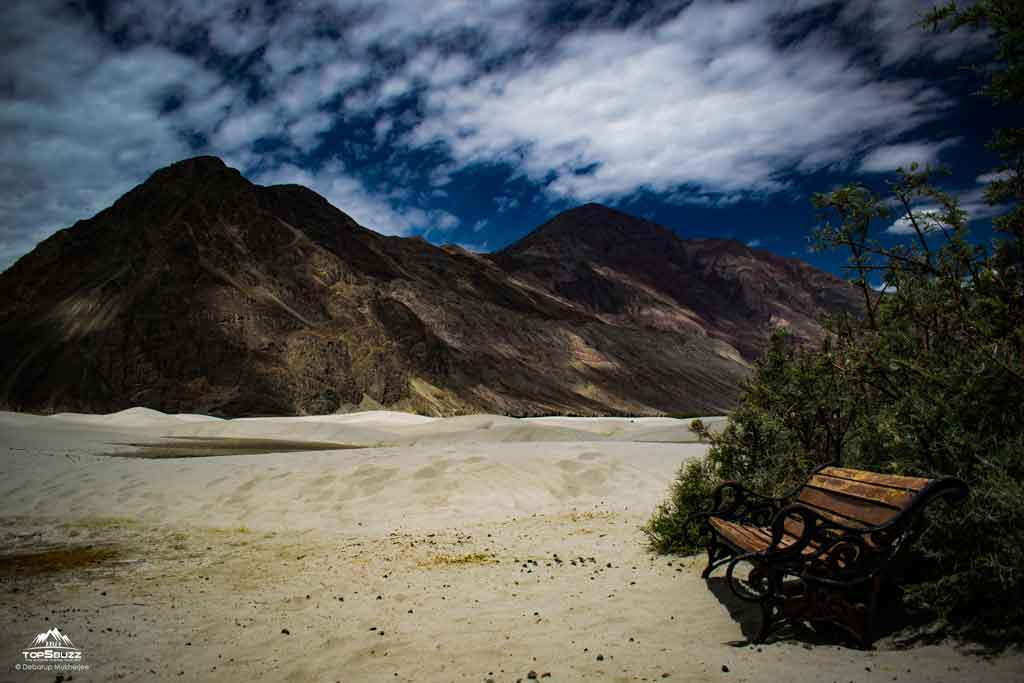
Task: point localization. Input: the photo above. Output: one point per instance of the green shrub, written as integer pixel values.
(928, 381)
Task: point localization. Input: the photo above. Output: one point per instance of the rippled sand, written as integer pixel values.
(468, 548)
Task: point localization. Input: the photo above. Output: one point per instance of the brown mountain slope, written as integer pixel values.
(200, 292)
(629, 271)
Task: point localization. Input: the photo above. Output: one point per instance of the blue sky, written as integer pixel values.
(473, 121)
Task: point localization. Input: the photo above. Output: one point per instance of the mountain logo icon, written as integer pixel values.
(52, 639)
(52, 649)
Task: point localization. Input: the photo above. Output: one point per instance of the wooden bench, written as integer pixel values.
(823, 553)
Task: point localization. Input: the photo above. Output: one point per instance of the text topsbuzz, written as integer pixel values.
(52, 651)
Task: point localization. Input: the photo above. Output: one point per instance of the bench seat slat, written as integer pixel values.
(891, 480)
(883, 495)
(752, 538)
(832, 516)
(849, 507)
(793, 526)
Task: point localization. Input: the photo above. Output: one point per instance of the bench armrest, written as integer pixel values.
(829, 552)
(812, 525)
(747, 503)
(744, 502)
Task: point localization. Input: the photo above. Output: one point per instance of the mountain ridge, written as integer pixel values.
(199, 291)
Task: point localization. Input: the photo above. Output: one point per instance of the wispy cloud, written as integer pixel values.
(898, 35)
(505, 203)
(987, 178)
(349, 194)
(928, 215)
(891, 157)
(706, 100)
(79, 123)
(699, 101)
(475, 247)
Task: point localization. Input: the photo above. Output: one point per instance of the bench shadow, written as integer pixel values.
(891, 628)
(746, 614)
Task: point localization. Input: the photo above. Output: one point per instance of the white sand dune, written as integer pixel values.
(454, 523)
(133, 417)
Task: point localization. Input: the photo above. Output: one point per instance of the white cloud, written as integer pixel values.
(393, 23)
(974, 204)
(926, 217)
(80, 124)
(706, 100)
(245, 127)
(382, 127)
(305, 132)
(891, 157)
(971, 201)
(445, 221)
(83, 120)
(474, 247)
(703, 105)
(349, 194)
(898, 36)
(505, 203)
(754, 243)
(988, 178)
(392, 88)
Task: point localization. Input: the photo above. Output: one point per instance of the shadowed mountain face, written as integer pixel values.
(627, 270)
(200, 292)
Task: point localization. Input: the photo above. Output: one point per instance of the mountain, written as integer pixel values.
(52, 638)
(630, 271)
(199, 291)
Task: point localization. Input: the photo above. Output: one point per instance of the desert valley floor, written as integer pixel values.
(474, 548)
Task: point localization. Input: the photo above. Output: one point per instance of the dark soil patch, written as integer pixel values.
(54, 560)
(207, 447)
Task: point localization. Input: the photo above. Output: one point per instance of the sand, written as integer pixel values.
(468, 548)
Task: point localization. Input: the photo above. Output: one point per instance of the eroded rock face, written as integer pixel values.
(200, 292)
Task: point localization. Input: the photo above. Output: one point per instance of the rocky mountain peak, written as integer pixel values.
(592, 230)
(196, 169)
(199, 291)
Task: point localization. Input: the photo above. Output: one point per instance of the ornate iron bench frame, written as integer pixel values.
(824, 552)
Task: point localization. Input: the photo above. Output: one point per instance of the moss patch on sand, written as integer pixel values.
(457, 560)
(100, 523)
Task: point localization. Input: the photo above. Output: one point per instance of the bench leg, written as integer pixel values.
(767, 620)
(718, 554)
(712, 549)
(867, 637)
(769, 605)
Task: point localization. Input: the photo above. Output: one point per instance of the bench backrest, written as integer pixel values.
(858, 498)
